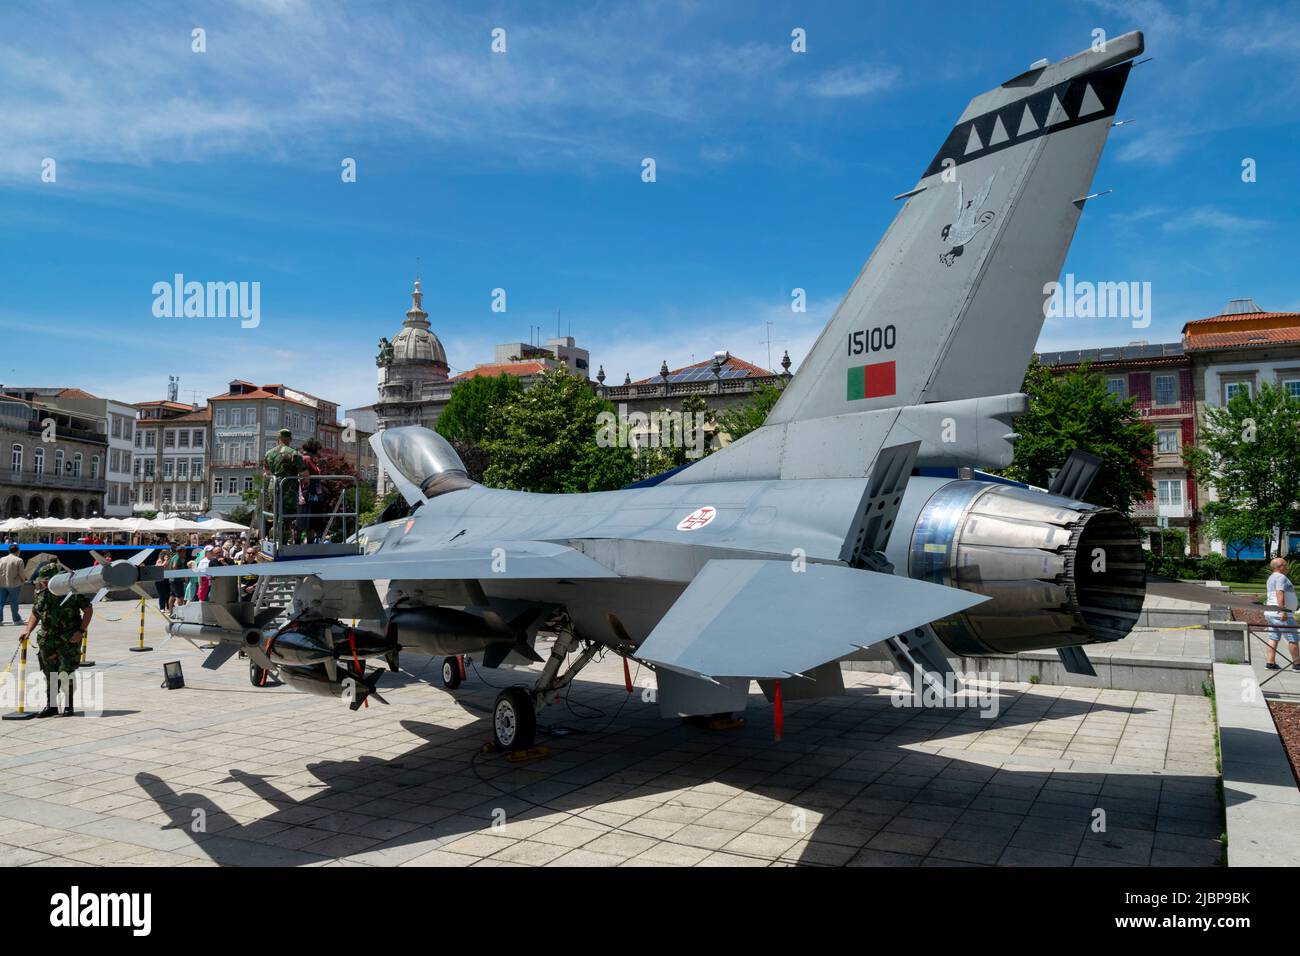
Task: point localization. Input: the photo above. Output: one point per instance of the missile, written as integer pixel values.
(315, 680)
(304, 647)
(117, 576)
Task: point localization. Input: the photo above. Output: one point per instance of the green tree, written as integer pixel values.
(740, 421)
(677, 444)
(544, 440)
(465, 419)
(1076, 411)
(1249, 450)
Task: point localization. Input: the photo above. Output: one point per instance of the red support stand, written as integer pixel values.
(778, 713)
(627, 676)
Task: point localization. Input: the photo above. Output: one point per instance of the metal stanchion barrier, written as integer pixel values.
(22, 713)
(137, 650)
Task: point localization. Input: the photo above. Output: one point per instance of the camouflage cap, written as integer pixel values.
(47, 571)
(285, 433)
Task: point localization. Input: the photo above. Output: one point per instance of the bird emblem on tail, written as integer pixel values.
(968, 221)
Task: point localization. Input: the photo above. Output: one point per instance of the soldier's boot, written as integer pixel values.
(67, 701)
(51, 698)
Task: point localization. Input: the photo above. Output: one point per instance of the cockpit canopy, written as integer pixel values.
(425, 459)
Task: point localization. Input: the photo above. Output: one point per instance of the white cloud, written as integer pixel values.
(851, 81)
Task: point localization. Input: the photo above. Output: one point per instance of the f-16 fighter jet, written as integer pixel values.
(850, 524)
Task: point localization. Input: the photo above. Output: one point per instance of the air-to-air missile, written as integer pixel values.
(105, 577)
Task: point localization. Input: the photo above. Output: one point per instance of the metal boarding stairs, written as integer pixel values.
(282, 542)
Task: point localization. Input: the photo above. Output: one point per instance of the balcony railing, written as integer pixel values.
(30, 479)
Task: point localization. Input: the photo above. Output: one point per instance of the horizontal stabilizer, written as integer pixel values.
(764, 619)
(500, 560)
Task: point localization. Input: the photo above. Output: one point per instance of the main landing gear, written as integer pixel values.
(514, 716)
(453, 672)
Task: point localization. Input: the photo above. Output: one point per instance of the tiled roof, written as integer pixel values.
(738, 367)
(1243, 317)
(179, 405)
(201, 415)
(1247, 338)
(75, 393)
(518, 369)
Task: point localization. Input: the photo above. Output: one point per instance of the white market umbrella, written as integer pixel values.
(221, 524)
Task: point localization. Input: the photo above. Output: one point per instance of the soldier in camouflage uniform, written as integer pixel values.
(63, 627)
(285, 462)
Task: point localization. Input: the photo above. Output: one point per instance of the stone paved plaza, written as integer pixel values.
(281, 778)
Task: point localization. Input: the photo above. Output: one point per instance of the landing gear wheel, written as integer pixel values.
(257, 675)
(450, 673)
(514, 720)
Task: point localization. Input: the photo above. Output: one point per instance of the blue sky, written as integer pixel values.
(522, 171)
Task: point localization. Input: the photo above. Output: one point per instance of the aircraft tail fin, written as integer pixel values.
(950, 304)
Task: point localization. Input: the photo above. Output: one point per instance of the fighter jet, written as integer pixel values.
(854, 523)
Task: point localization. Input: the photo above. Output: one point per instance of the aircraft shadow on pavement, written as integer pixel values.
(843, 775)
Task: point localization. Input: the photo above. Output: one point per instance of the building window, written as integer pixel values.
(248, 482)
(169, 468)
(1232, 388)
(169, 438)
(147, 494)
(16, 459)
(198, 438)
(1167, 442)
(183, 469)
(1166, 389)
(58, 463)
(117, 430)
(196, 468)
(220, 417)
(272, 416)
(1115, 386)
(248, 451)
(183, 439)
(1169, 492)
(94, 468)
(137, 439)
(38, 461)
(126, 432)
(218, 485)
(250, 416)
(167, 494)
(135, 468)
(151, 439)
(194, 494)
(1292, 387)
(148, 469)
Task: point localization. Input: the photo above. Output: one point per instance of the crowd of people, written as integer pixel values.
(220, 553)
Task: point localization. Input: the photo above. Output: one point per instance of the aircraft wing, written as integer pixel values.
(519, 560)
(764, 620)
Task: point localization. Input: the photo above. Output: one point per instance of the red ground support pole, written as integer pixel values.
(627, 676)
(778, 713)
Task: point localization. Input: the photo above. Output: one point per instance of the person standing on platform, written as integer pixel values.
(284, 462)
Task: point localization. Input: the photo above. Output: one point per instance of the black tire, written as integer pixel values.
(514, 721)
(257, 675)
(450, 672)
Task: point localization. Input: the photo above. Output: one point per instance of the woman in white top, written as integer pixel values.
(1281, 615)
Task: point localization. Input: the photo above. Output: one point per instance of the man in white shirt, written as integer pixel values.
(1281, 602)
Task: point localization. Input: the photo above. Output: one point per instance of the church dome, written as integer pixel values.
(415, 344)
